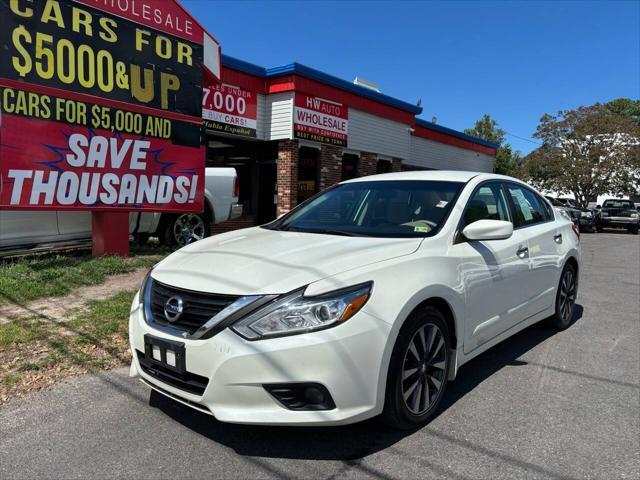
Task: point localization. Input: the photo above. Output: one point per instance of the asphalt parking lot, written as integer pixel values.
(541, 405)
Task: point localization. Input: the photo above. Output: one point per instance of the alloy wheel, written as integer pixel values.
(423, 369)
(567, 295)
(188, 228)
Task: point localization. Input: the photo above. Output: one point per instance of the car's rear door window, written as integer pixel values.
(528, 207)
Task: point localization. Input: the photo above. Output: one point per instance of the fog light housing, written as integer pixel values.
(301, 396)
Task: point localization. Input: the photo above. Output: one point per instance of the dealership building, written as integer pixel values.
(291, 131)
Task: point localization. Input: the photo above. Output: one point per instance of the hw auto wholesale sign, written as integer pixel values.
(100, 105)
(230, 109)
(320, 120)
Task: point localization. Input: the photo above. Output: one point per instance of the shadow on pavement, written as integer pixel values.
(351, 442)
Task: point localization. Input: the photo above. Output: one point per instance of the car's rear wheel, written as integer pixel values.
(183, 229)
(418, 370)
(565, 298)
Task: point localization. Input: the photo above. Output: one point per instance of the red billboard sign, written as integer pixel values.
(230, 109)
(121, 159)
(320, 120)
(100, 105)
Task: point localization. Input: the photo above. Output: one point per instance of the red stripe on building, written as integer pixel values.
(440, 137)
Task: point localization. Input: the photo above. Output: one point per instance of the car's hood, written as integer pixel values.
(262, 261)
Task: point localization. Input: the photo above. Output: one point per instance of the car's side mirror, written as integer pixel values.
(488, 230)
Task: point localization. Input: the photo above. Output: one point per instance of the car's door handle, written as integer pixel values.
(558, 238)
(523, 252)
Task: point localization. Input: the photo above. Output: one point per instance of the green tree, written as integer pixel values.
(588, 152)
(626, 107)
(507, 160)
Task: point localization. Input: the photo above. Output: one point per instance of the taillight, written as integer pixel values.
(576, 230)
(236, 187)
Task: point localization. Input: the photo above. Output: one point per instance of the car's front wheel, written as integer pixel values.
(634, 230)
(418, 370)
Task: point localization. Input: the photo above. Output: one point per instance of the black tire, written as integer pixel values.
(634, 230)
(141, 239)
(182, 229)
(415, 411)
(599, 229)
(565, 298)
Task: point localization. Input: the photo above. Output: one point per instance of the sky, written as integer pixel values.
(513, 60)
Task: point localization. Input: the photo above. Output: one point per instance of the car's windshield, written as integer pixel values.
(399, 208)
(618, 204)
(555, 202)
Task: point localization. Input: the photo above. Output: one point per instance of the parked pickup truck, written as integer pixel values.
(42, 230)
(617, 213)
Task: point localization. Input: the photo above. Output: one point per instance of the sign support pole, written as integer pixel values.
(110, 233)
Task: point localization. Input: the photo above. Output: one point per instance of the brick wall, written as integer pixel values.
(330, 166)
(410, 168)
(244, 221)
(396, 165)
(368, 164)
(287, 175)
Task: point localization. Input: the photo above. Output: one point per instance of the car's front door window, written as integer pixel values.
(487, 203)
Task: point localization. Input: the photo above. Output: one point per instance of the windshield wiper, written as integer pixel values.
(326, 231)
(344, 233)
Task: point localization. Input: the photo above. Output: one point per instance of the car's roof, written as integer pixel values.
(436, 175)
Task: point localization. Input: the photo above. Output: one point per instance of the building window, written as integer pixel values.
(308, 161)
(349, 166)
(384, 166)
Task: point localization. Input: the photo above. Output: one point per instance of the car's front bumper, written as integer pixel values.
(347, 360)
(235, 211)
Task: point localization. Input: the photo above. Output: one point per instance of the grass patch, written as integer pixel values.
(21, 331)
(93, 338)
(10, 380)
(104, 320)
(52, 275)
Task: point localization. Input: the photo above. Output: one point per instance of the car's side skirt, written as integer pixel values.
(459, 358)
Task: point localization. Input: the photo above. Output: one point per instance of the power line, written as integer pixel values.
(523, 138)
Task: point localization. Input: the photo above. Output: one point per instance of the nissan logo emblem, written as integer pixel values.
(173, 308)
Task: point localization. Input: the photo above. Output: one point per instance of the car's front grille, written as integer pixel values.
(189, 382)
(198, 307)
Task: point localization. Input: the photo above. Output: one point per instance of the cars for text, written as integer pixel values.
(364, 300)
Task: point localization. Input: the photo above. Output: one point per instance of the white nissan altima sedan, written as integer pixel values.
(364, 300)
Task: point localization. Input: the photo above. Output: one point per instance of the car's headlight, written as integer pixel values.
(604, 214)
(586, 214)
(296, 313)
(144, 287)
(634, 215)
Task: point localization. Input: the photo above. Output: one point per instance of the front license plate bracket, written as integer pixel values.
(163, 352)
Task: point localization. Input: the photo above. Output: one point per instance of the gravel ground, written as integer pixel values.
(540, 405)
